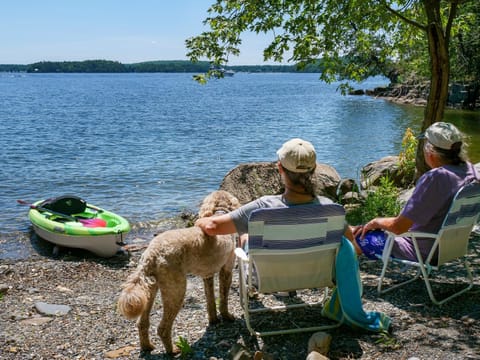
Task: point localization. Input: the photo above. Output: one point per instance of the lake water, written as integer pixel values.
(149, 146)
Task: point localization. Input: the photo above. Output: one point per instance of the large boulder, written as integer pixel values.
(252, 180)
(374, 171)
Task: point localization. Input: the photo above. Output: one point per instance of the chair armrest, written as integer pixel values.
(240, 253)
(414, 234)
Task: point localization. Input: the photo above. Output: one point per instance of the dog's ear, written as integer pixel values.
(234, 203)
(207, 207)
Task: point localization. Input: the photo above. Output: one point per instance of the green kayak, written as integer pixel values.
(94, 229)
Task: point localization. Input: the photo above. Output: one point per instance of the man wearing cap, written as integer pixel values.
(297, 161)
(445, 154)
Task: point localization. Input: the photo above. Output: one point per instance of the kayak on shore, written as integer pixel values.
(69, 221)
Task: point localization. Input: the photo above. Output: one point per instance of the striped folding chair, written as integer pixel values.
(451, 242)
(289, 249)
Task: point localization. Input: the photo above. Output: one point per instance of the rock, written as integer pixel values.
(64, 289)
(36, 321)
(351, 198)
(4, 288)
(52, 309)
(239, 352)
(348, 192)
(252, 180)
(463, 96)
(314, 355)
(319, 345)
(327, 180)
(124, 351)
(405, 195)
(346, 186)
(374, 171)
(357, 92)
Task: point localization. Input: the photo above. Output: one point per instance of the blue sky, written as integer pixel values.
(119, 30)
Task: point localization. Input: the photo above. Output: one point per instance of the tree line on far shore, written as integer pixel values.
(168, 66)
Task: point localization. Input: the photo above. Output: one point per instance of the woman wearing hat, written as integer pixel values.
(445, 154)
(297, 161)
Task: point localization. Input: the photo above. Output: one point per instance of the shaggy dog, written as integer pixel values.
(165, 264)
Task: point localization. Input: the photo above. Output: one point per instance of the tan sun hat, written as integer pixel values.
(443, 135)
(298, 156)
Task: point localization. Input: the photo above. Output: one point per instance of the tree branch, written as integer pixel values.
(451, 17)
(407, 20)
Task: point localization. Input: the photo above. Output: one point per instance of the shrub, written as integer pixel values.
(407, 157)
(381, 202)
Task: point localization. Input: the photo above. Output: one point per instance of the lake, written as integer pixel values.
(149, 146)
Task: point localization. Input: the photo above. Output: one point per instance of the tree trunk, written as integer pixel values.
(440, 72)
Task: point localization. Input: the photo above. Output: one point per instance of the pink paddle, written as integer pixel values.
(86, 222)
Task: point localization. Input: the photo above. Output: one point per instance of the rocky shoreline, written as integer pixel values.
(87, 326)
(65, 307)
(461, 96)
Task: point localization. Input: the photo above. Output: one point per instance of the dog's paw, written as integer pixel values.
(228, 317)
(174, 350)
(147, 347)
(213, 320)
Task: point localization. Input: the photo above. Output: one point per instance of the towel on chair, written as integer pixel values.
(345, 304)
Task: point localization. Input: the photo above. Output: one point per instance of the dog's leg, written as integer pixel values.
(143, 323)
(225, 280)
(208, 286)
(173, 291)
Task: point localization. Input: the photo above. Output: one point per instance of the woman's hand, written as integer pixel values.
(357, 230)
(361, 230)
(216, 225)
(207, 225)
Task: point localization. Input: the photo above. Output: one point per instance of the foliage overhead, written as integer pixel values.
(465, 49)
(354, 38)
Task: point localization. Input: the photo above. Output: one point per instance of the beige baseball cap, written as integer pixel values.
(442, 135)
(298, 156)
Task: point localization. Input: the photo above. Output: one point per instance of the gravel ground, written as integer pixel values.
(92, 329)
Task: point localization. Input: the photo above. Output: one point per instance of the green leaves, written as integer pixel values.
(346, 34)
(380, 202)
(184, 347)
(407, 157)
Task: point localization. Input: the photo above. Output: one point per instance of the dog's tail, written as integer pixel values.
(134, 296)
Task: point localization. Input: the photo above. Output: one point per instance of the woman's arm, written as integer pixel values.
(396, 225)
(217, 225)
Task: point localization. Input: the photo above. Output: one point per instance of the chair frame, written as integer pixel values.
(451, 241)
(247, 264)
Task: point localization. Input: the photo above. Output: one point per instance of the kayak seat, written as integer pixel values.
(65, 204)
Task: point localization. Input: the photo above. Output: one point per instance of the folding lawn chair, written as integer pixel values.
(451, 242)
(290, 249)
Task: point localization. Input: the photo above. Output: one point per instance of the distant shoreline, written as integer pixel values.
(164, 66)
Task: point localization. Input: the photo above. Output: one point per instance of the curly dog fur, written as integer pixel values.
(165, 264)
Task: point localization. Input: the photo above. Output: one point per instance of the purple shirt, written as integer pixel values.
(429, 204)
